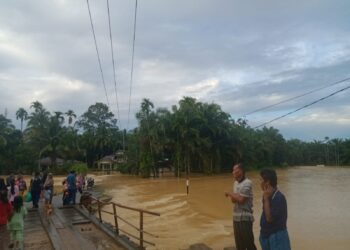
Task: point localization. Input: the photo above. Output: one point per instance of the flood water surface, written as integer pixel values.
(318, 207)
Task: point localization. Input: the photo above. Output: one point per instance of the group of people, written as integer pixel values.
(14, 191)
(13, 186)
(12, 211)
(273, 221)
(71, 185)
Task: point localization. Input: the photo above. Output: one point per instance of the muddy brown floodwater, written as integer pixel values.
(318, 207)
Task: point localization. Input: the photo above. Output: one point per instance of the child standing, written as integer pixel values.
(16, 223)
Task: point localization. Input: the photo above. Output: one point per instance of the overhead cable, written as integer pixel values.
(113, 62)
(296, 97)
(132, 63)
(97, 52)
(303, 107)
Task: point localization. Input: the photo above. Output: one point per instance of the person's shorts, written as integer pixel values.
(276, 241)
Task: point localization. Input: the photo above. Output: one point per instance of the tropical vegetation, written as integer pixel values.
(192, 136)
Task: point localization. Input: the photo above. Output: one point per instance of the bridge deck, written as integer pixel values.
(35, 236)
(65, 228)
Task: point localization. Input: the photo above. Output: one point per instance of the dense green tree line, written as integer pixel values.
(191, 137)
(57, 135)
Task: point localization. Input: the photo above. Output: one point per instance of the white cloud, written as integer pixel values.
(310, 54)
(199, 89)
(331, 118)
(229, 53)
(46, 89)
(17, 47)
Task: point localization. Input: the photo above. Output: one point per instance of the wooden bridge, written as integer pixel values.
(76, 227)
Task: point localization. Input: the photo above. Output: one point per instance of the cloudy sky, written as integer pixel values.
(243, 55)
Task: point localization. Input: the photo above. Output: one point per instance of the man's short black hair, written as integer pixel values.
(270, 176)
(240, 166)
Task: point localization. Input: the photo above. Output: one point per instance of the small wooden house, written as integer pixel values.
(47, 162)
(107, 163)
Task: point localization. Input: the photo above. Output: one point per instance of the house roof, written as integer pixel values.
(47, 161)
(107, 158)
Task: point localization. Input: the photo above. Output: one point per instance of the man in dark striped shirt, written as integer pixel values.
(273, 222)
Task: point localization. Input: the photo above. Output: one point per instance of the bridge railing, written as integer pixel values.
(101, 208)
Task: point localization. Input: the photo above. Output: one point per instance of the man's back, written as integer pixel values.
(71, 181)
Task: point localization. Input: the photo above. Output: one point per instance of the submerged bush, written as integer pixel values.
(80, 168)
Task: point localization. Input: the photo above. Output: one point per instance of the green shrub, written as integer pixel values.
(80, 168)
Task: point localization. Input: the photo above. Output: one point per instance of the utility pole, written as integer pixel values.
(124, 132)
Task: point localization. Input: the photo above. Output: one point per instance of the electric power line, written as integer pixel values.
(296, 97)
(114, 72)
(97, 52)
(132, 63)
(305, 106)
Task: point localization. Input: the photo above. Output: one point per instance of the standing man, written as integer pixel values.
(9, 179)
(242, 198)
(273, 222)
(72, 188)
(35, 189)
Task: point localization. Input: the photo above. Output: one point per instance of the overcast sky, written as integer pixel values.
(243, 55)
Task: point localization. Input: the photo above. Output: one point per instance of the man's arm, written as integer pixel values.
(236, 197)
(267, 210)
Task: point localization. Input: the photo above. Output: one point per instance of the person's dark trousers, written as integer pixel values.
(72, 194)
(244, 237)
(35, 198)
(65, 199)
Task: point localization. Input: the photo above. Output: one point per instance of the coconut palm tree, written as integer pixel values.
(5, 130)
(70, 114)
(187, 123)
(22, 115)
(37, 131)
(59, 117)
(144, 117)
(37, 106)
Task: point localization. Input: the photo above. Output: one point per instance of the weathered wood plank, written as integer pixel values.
(35, 236)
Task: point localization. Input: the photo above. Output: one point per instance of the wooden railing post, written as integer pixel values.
(101, 204)
(141, 229)
(115, 219)
(99, 210)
